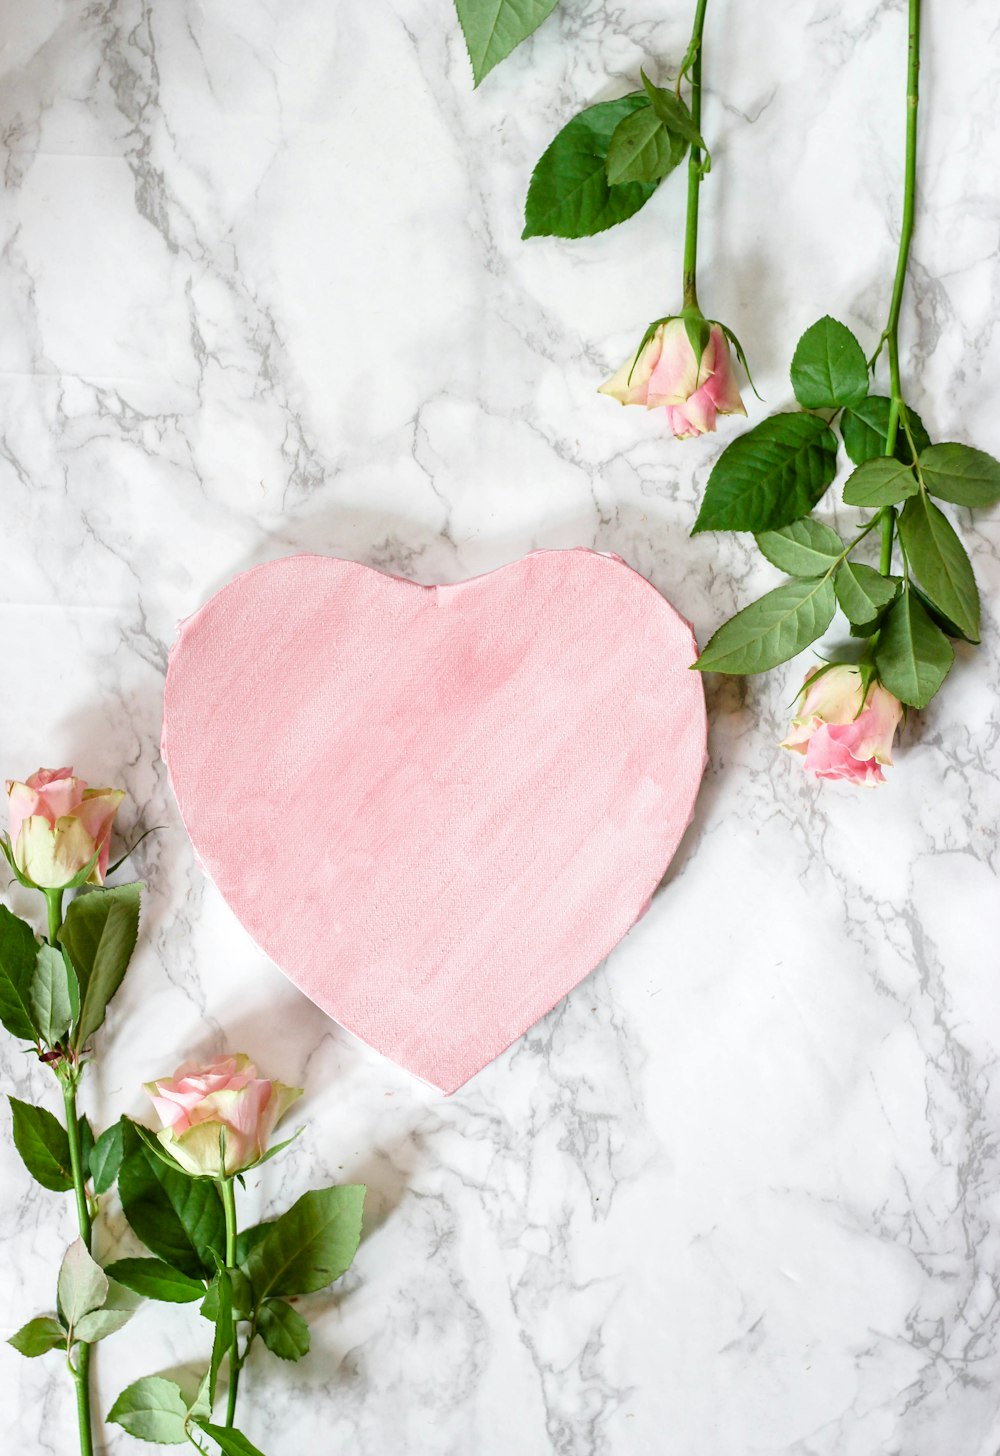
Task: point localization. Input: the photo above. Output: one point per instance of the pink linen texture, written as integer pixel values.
(436, 808)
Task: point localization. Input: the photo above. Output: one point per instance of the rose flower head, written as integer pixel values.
(58, 827)
(844, 728)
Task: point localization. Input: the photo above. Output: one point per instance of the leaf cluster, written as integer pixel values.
(770, 480)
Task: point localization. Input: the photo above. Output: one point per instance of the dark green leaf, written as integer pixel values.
(913, 656)
(770, 476)
(570, 195)
(152, 1409)
(249, 1238)
(881, 481)
(959, 474)
(310, 1245)
(862, 593)
(828, 367)
(492, 28)
(54, 994)
(804, 548)
(642, 149)
(222, 1343)
(155, 1280)
(771, 630)
(99, 933)
(283, 1330)
(673, 112)
(866, 428)
(241, 1297)
(230, 1441)
(938, 560)
(18, 949)
(86, 1143)
(106, 1157)
(179, 1219)
(948, 627)
(38, 1337)
(41, 1140)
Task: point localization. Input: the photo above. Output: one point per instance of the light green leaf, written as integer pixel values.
(642, 149)
(201, 1407)
(803, 548)
(771, 476)
(310, 1245)
(44, 1147)
(38, 1337)
(54, 994)
(881, 481)
(866, 429)
(106, 1157)
(938, 560)
(492, 28)
(18, 949)
(230, 1441)
(179, 1219)
(771, 630)
(828, 367)
(99, 933)
(913, 656)
(283, 1330)
(863, 593)
(673, 112)
(152, 1409)
(959, 474)
(100, 1323)
(569, 195)
(83, 1284)
(154, 1279)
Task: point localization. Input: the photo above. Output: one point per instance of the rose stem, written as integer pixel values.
(692, 66)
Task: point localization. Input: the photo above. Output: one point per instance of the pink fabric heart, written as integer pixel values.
(436, 808)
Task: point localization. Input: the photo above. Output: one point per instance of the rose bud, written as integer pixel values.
(58, 825)
(216, 1120)
(843, 731)
(667, 371)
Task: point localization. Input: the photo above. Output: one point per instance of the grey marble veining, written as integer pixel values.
(264, 291)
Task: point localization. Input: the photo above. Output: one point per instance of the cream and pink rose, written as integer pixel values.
(58, 825)
(216, 1119)
(667, 372)
(843, 731)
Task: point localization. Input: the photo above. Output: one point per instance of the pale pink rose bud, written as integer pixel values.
(841, 737)
(667, 371)
(58, 825)
(216, 1120)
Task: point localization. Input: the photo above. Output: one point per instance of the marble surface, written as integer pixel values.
(263, 291)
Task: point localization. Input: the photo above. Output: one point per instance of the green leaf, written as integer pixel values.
(99, 933)
(18, 949)
(230, 1441)
(673, 112)
(283, 1330)
(179, 1219)
(771, 630)
(310, 1245)
(240, 1294)
(222, 1342)
(881, 481)
(959, 474)
(862, 593)
(948, 627)
(770, 476)
(938, 560)
(152, 1409)
(642, 149)
(54, 994)
(154, 1279)
(866, 429)
(106, 1157)
(38, 1337)
(829, 369)
(569, 195)
(100, 1323)
(41, 1140)
(492, 28)
(913, 656)
(804, 548)
(249, 1238)
(83, 1284)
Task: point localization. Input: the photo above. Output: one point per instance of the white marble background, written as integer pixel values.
(263, 291)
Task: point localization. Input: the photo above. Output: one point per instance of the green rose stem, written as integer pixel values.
(229, 1206)
(69, 1075)
(691, 67)
(897, 406)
